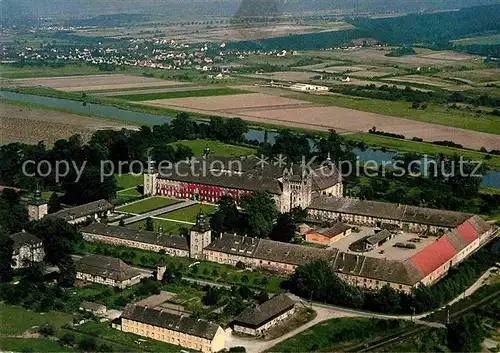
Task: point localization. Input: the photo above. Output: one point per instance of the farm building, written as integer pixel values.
(94, 308)
(305, 87)
(157, 324)
(27, 248)
(328, 235)
(255, 321)
(106, 270)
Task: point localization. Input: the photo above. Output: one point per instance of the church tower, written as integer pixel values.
(150, 180)
(297, 189)
(37, 207)
(199, 237)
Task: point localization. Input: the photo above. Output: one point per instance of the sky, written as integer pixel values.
(178, 8)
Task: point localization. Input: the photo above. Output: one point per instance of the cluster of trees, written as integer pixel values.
(258, 217)
(317, 281)
(435, 28)
(402, 51)
(374, 131)
(440, 185)
(117, 148)
(417, 97)
(255, 219)
(58, 237)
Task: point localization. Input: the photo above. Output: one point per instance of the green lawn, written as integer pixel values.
(180, 94)
(189, 214)
(126, 181)
(148, 204)
(337, 334)
(216, 148)
(422, 148)
(14, 344)
(436, 114)
(16, 320)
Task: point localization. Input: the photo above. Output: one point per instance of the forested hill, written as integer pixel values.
(434, 29)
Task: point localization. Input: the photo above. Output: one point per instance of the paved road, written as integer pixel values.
(156, 212)
(327, 312)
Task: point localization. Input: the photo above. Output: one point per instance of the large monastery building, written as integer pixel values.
(210, 178)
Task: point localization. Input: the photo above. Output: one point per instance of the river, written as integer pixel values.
(490, 179)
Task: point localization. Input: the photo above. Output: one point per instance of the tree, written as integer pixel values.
(150, 226)
(6, 250)
(466, 334)
(67, 272)
(227, 217)
(260, 212)
(182, 127)
(58, 237)
(211, 297)
(13, 215)
(54, 204)
(46, 330)
(88, 187)
(284, 228)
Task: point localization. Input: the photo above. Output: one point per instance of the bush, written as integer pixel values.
(46, 330)
(88, 343)
(240, 265)
(68, 339)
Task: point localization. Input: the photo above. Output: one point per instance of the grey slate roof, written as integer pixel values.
(106, 267)
(333, 231)
(22, 238)
(179, 323)
(234, 244)
(265, 312)
(83, 210)
(397, 212)
(402, 272)
(175, 242)
(243, 179)
(326, 177)
(456, 240)
(380, 236)
(292, 254)
(269, 250)
(246, 174)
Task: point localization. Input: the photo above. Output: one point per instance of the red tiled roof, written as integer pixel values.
(434, 255)
(467, 232)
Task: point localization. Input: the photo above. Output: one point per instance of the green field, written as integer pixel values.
(435, 114)
(15, 344)
(337, 334)
(216, 148)
(148, 204)
(494, 39)
(7, 71)
(126, 181)
(189, 214)
(180, 94)
(16, 320)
